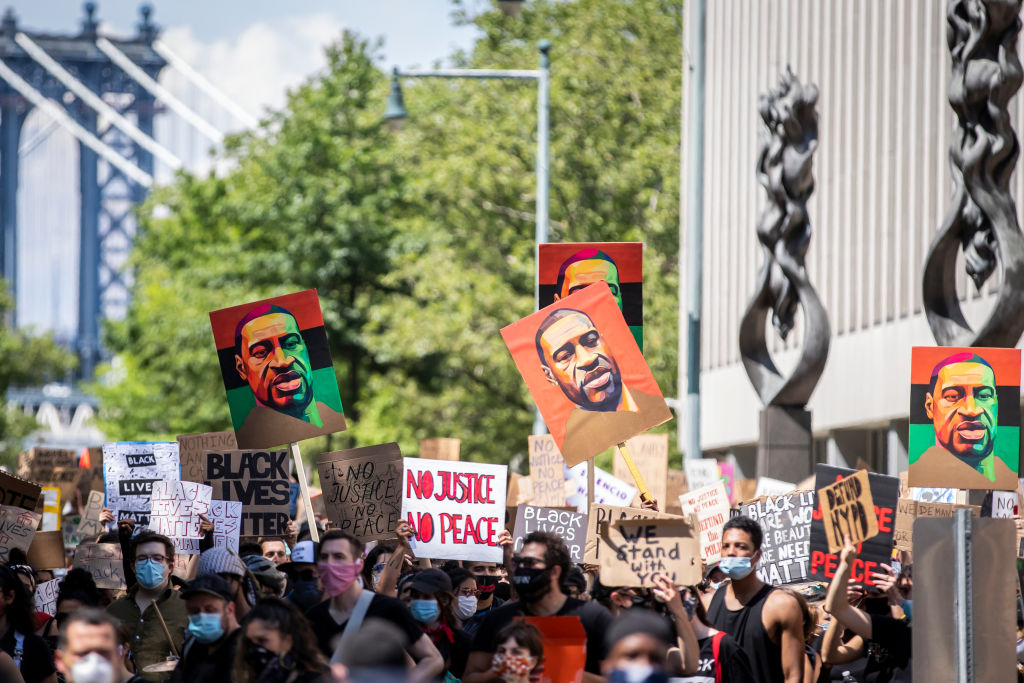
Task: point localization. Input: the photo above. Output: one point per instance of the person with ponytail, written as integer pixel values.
(18, 636)
(277, 646)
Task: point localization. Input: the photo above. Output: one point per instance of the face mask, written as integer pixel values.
(92, 668)
(375, 578)
(466, 607)
(150, 574)
(690, 605)
(715, 585)
(207, 628)
(532, 584)
(511, 665)
(306, 594)
(424, 611)
(503, 591)
(338, 577)
(637, 673)
(486, 585)
(735, 567)
(257, 656)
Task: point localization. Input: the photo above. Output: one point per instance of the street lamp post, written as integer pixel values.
(396, 112)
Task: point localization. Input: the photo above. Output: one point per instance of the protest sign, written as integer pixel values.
(38, 463)
(192, 450)
(744, 489)
(226, 516)
(608, 489)
(89, 525)
(129, 470)
(638, 549)
(17, 528)
(103, 561)
(1004, 504)
(547, 472)
(259, 481)
(766, 486)
(51, 509)
(46, 596)
(456, 508)
(18, 492)
(570, 526)
(440, 449)
(675, 487)
(711, 506)
(786, 524)
(933, 495)
(612, 513)
(650, 455)
(700, 472)
(728, 475)
(66, 480)
(520, 490)
(873, 551)
(565, 649)
(847, 510)
(362, 490)
(907, 510)
(176, 509)
(46, 550)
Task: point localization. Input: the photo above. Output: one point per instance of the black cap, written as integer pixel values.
(211, 584)
(430, 581)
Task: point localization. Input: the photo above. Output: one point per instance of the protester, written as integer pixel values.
(9, 670)
(576, 584)
(766, 622)
(28, 577)
(228, 566)
(466, 594)
(430, 599)
(275, 550)
(812, 666)
(375, 562)
(519, 654)
(277, 646)
(540, 569)
(719, 657)
(88, 650)
(270, 582)
(17, 624)
(152, 556)
(305, 591)
(637, 644)
(213, 629)
(374, 654)
(339, 564)
(77, 590)
(487, 577)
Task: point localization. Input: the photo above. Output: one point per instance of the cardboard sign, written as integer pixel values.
(362, 490)
(17, 528)
(51, 509)
(873, 551)
(608, 489)
(37, 464)
(959, 438)
(547, 472)
(570, 526)
(47, 550)
(192, 450)
(600, 513)
(848, 510)
(259, 481)
(103, 561)
(276, 365)
(440, 449)
(565, 648)
(907, 510)
(18, 492)
(520, 490)
(66, 479)
(650, 454)
(786, 523)
(700, 472)
(456, 508)
(676, 486)
(89, 525)
(766, 486)
(744, 490)
(129, 469)
(46, 596)
(226, 516)
(176, 510)
(638, 549)
(711, 506)
(616, 398)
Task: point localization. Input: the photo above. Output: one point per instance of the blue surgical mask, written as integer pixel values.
(207, 628)
(735, 567)
(424, 611)
(149, 573)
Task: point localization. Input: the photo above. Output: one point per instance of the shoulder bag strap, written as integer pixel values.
(716, 647)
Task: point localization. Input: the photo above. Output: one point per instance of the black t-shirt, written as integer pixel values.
(36, 658)
(200, 664)
(735, 665)
(381, 607)
(888, 651)
(594, 617)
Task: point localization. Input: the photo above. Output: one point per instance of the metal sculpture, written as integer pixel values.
(788, 141)
(982, 222)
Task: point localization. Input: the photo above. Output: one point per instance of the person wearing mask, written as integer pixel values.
(487, 575)
(338, 565)
(637, 645)
(466, 594)
(269, 580)
(73, 595)
(430, 599)
(576, 584)
(209, 653)
(376, 561)
(18, 638)
(152, 556)
(766, 622)
(304, 590)
(812, 666)
(540, 570)
(88, 649)
(520, 651)
(719, 657)
(277, 646)
(228, 566)
(28, 577)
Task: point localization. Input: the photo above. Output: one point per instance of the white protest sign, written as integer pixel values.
(90, 525)
(226, 516)
(1004, 504)
(46, 596)
(766, 486)
(456, 508)
(608, 489)
(711, 505)
(932, 495)
(129, 471)
(176, 509)
(701, 472)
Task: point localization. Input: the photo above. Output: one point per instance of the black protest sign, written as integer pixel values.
(568, 525)
(259, 481)
(786, 523)
(362, 490)
(877, 550)
(18, 492)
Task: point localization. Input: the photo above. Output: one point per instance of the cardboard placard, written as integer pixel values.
(520, 490)
(47, 550)
(786, 524)
(766, 486)
(570, 526)
(744, 490)
(547, 472)
(103, 561)
(711, 506)
(17, 528)
(608, 489)
(259, 481)
(129, 470)
(18, 492)
(89, 525)
(38, 463)
(638, 549)
(908, 509)
(565, 648)
(362, 490)
(650, 455)
(848, 510)
(612, 513)
(177, 507)
(457, 509)
(192, 450)
(51, 509)
(700, 472)
(46, 596)
(65, 479)
(440, 449)
(676, 486)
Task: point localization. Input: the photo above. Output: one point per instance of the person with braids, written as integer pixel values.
(278, 646)
(18, 636)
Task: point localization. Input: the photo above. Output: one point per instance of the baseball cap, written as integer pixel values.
(211, 584)
(430, 581)
(304, 552)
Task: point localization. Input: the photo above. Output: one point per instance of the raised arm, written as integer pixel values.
(686, 640)
(836, 603)
(388, 582)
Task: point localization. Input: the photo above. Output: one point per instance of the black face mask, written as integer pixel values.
(503, 591)
(305, 594)
(532, 584)
(486, 585)
(257, 656)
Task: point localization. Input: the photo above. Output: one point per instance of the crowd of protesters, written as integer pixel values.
(290, 610)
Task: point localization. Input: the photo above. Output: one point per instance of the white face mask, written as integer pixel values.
(92, 668)
(466, 607)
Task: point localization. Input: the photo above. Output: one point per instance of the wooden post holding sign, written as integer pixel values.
(645, 494)
(847, 509)
(300, 471)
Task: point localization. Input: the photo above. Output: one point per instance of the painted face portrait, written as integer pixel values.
(584, 268)
(964, 407)
(575, 357)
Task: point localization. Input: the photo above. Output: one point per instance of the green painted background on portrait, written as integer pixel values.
(325, 390)
(1006, 448)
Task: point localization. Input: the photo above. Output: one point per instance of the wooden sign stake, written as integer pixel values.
(590, 485)
(314, 532)
(645, 494)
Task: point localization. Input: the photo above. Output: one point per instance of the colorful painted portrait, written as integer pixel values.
(564, 269)
(585, 371)
(959, 437)
(277, 370)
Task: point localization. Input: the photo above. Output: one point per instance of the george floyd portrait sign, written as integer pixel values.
(277, 370)
(586, 373)
(959, 437)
